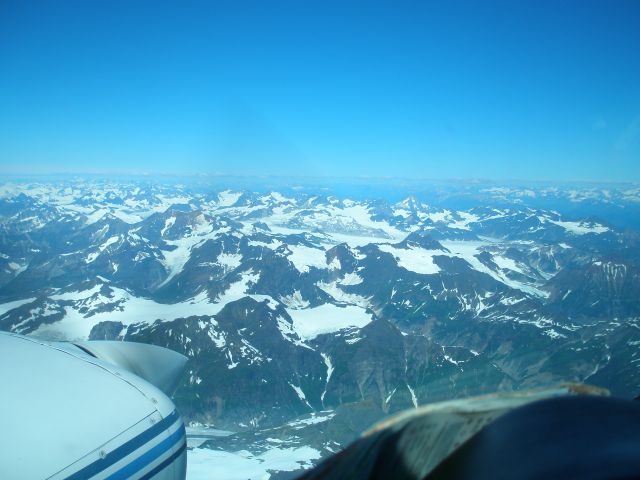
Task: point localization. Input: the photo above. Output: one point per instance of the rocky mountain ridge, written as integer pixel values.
(289, 303)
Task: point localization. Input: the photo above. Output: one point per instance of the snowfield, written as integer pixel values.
(414, 259)
(206, 464)
(311, 322)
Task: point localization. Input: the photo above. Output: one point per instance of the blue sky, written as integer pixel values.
(497, 90)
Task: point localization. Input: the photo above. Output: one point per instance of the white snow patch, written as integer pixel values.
(168, 223)
(300, 393)
(110, 241)
(76, 295)
(506, 263)
(334, 264)
(341, 296)
(401, 212)
(438, 216)
(304, 257)
(467, 250)
(390, 395)
(278, 197)
(274, 244)
(553, 334)
(228, 198)
(577, 228)
(238, 290)
(229, 261)
(351, 278)
(313, 419)
(451, 360)
(414, 259)
(463, 222)
(96, 215)
(327, 318)
(175, 260)
(127, 217)
(327, 362)
(7, 307)
(206, 464)
(295, 300)
(511, 301)
(288, 333)
(414, 399)
(127, 309)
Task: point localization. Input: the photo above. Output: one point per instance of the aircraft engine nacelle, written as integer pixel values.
(89, 411)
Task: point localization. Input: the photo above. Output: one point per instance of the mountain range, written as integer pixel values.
(297, 301)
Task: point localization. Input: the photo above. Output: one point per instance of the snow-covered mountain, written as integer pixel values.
(297, 301)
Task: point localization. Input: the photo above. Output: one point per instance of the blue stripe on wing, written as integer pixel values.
(148, 457)
(125, 449)
(165, 463)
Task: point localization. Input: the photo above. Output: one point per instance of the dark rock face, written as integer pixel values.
(600, 289)
(245, 363)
